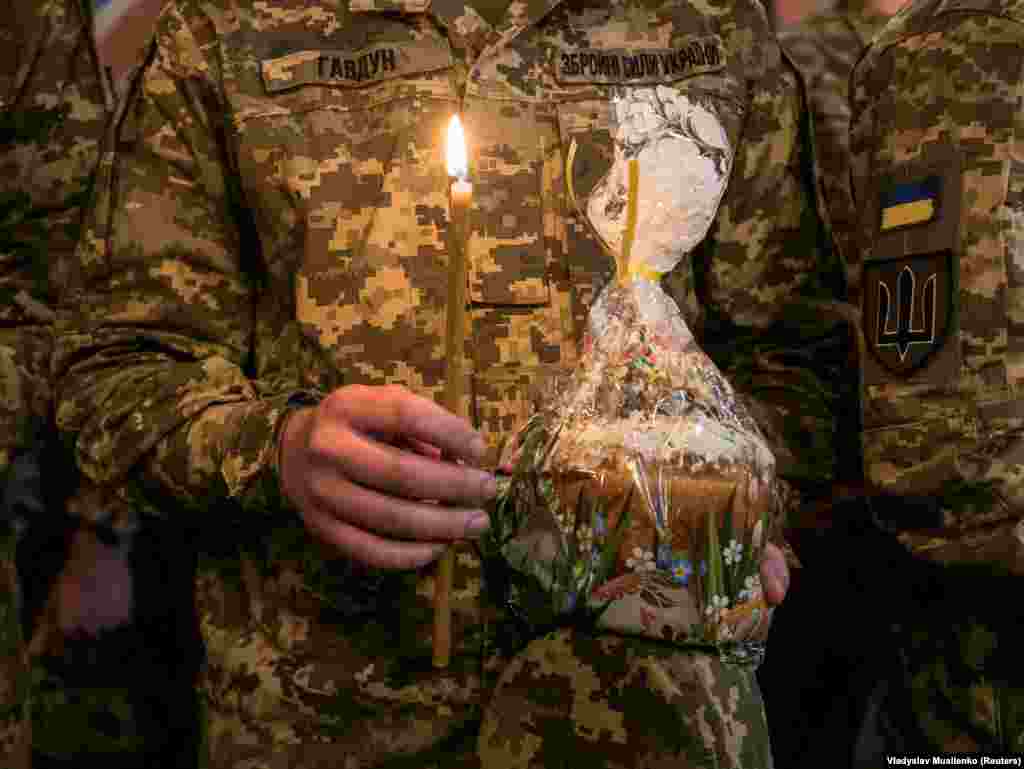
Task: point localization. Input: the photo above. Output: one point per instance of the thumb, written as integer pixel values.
(774, 574)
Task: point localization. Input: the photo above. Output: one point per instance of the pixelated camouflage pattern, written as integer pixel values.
(825, 47)
(965, 692)
(55, 107)
(953, 683)
(255, 239)
(692, 710)
(14, 730)
(48, 77)
(941, 88)
(81, 701)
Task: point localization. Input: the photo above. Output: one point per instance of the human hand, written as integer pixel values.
(359, 466)
(94, 590)
(774, 574)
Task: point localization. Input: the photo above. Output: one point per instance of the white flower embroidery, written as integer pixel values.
(751, 588)
(585, 538)
(642, 560)
(732, 553)
(566, 521)
(716, 606)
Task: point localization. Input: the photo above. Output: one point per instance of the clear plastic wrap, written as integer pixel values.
(643, 489)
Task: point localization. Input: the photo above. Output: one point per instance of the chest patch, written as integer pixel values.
(352, 69)
(695, 56)
(907, 307)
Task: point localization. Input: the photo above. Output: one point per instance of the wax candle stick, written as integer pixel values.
(460, 200)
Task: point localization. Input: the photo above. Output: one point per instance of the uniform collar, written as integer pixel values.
(461, 20)
(389, 6)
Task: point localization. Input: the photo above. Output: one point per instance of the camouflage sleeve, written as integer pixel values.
(54, 110)
(825, 49)
(763, 279)
(52, 118)
(154, 331)
(943, 423)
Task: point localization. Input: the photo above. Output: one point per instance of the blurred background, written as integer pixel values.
(123, 26)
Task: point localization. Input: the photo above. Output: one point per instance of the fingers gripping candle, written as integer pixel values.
(460, 199)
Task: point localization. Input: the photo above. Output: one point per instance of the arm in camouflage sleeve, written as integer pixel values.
(766, 280)
(154, 330)
(825, 48)
(54, 109)
(54, 112)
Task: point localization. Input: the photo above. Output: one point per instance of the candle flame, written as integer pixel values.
(458, 164)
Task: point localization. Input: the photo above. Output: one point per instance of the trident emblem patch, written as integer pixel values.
(906, 310)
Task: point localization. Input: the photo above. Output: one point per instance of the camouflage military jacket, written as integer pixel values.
(938, 174)
(55, 104)
(275, 224)
(825, 47)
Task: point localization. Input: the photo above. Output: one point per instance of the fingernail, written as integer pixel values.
(477, 524)
(488, 485)
(478, 447)
(777, 577)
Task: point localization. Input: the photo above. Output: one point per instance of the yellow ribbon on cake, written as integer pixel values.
(638, 271)
(624, 271)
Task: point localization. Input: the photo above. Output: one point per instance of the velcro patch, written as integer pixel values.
(907, 309)
(908, 203)
(911, 270)
(352, 69)
(696, 56)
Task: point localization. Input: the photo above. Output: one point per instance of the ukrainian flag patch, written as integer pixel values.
(909, 203)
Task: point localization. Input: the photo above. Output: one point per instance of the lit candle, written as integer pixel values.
(460, 199)
(458, 170)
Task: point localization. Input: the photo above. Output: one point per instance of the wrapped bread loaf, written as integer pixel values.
(648, 484)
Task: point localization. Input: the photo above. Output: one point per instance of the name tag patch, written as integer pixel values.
(361, 68)
(908, 203)
(695, 56)
(351, 68)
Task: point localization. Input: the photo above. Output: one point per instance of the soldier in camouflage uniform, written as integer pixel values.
(252, 347)
(825, 47)
(809, 724)
(55, 104)
(938, 174)
(70, 654)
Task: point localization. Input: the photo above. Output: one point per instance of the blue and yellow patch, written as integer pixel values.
(909, 203)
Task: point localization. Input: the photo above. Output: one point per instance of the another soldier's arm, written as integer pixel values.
(765, 282)
(52, 120)
(156, 322)
(825, 49)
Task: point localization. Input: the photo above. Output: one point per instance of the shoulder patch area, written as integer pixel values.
(904, 204)
(910, 274)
